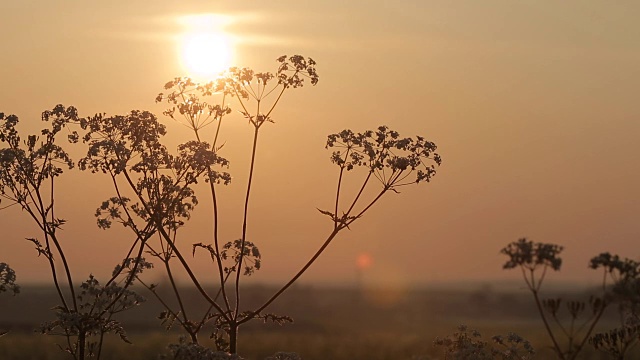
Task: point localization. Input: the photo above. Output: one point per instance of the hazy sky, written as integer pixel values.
(533, 106)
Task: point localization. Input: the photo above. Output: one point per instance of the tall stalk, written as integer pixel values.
(392, 160)
(244, 219)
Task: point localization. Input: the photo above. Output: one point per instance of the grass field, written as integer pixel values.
(330, 323)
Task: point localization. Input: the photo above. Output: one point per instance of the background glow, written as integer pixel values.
(533, 105)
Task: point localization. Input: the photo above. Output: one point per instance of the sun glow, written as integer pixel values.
(205, 49)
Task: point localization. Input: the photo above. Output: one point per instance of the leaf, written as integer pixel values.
(328, 213)
(124, 338)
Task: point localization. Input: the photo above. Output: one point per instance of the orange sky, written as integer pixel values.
(533, 106)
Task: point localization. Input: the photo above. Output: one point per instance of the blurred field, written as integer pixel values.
(330, 323)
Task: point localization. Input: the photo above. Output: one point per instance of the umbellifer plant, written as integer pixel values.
(154, 189)
(619, 286)
(29, 169)
(164, 195)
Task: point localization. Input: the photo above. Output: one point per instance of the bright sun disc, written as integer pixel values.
(205, 55)
(205, 49)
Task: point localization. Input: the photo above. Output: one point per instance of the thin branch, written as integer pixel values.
(315, 256)
(176, 292)
(364, 185)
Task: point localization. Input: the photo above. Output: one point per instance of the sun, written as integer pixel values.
(205, 54)
(205, 49)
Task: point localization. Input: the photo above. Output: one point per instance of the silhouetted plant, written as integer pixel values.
(624, 276)
(28, 172)
(467, 344)
(617, 342)
(534, 259)
(129, 150)
(97, 305)
(625, 292)
(154, 195)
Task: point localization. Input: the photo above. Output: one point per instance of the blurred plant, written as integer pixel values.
(625, 292)
(583, 316)
(617, 342)
(624, 275)
(8, 279)
(28, 172)
(466, 344)
(281, 355)
(7, 283)
(186, 350)
(532, 257)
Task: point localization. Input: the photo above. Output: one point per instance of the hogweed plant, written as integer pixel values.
(154, 194)
(534, 260)
(574, 321)
(617, 342)
(29, 170)
(392, 160)
(625, 292)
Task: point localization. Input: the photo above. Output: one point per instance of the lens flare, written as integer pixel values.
(364, 261)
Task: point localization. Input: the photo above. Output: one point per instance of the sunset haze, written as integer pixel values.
(533, 106)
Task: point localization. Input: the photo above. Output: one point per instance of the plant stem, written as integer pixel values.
(175, 290)
(233, 337)
(546, 324)
(335, 211)
(364, 184)
(216, 243)
(294, 278)
(81, 343)
(49, 257)
(244, 221)
(586, 336)
(384, 190)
